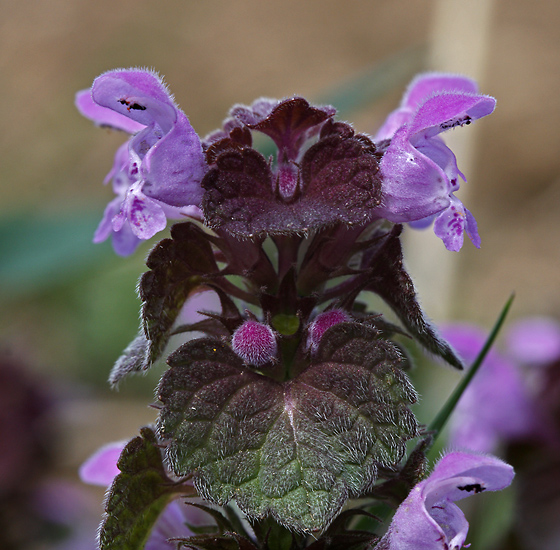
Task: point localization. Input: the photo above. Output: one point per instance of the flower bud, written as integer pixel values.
(255, 343)
(323, 322)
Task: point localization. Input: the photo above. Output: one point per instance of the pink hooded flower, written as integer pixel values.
(157, 173)
(429, 519)
(419, 171)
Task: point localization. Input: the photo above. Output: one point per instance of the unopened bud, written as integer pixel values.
(255, 343)
(323, 322)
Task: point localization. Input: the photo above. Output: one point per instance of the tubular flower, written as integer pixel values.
(420, 173)
(429, 519)
(157, 173)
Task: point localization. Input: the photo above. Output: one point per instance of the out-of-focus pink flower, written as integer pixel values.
(499, 404)
(534, 341)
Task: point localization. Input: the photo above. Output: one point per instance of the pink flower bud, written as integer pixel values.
(323, 322)
(255, 343)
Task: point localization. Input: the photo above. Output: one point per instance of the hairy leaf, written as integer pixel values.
(388, 278)
(339, 184)
(133, 359)
(177, 267)
(137, 496)
(340, 176)
(296, 450)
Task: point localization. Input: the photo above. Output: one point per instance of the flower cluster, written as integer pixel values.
(323, 172)
(295, 400)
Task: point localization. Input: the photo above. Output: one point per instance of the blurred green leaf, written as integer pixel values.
(372, 84)
(41, 251)
(492, 518)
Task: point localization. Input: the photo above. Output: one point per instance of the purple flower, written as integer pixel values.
(420, 172)
(157, 173)
(534, 341)
(429, 519)
(101, 469)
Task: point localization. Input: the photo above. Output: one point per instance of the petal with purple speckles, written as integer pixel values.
(145, 216)
(450, 225)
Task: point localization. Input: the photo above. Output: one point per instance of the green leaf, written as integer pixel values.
(39, 252)
(177, 267)
(439, 422)
(388, 278)
(137, 496)
(296, 450)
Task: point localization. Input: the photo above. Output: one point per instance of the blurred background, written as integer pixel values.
(68, 307)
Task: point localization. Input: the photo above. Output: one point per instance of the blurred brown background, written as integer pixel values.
(68, 317)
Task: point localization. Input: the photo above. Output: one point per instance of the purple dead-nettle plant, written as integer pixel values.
(295, 401)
